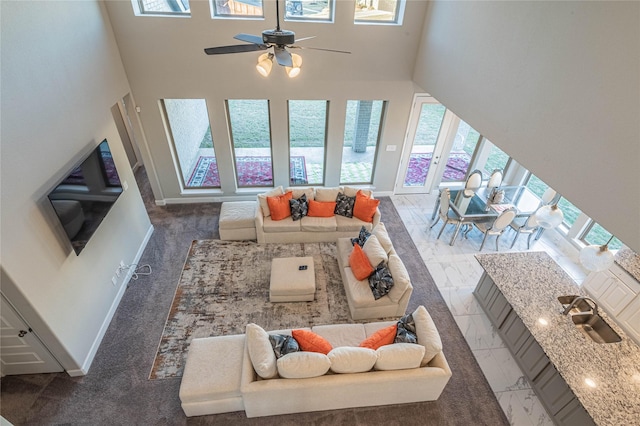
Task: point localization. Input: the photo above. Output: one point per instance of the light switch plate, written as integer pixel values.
(391, 147)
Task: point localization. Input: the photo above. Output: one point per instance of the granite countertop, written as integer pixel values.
(532, 282)
(629, 261)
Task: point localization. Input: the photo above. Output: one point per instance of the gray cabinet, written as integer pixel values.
(554, 393)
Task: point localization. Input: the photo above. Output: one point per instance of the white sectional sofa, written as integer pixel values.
(308, 229)
(209, 388)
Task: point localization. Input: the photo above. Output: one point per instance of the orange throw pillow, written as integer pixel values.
(279, 206)
(359, 263)
(320, 208)
(311, 342)
(365, 207)
(384, 336)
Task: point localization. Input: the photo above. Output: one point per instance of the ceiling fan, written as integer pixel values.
(279, 39)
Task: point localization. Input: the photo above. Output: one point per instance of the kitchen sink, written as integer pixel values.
(588, 322)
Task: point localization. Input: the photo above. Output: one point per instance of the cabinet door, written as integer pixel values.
(552, 390)
(531, 358)
(514, 332)
(616, 297)
(574, 414)
(485, 289)
(629, 319)
(498, 308)
(597, 283)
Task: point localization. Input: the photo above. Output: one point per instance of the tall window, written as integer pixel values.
(379, 11)
(536, 185)
(569, 211)
(192, 143)
(496, 159)
(307, 141)
(597, 235)
(459, 159)
(361, 139)
(251, 139)
(162, 7)
(309, 10)
(236, 8)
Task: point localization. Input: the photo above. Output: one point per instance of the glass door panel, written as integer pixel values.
(459, 159)
(251, 139)
(424, 142)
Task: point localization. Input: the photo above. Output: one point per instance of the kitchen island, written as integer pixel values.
(519, 292)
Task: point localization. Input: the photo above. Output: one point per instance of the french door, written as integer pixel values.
(428, 141)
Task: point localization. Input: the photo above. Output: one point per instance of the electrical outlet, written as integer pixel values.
(114, 280)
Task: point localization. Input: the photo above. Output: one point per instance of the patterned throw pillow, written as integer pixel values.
(299, 207)
(362, 237)
(380, 281)
(344, 205)
(406, 330)
(283, 344)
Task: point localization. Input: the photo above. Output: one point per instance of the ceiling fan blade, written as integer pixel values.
(249, 38)
(304, 38)
(237, 48)
(319, 48)
(283, 57)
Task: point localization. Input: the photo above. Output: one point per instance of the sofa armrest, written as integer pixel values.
(259, 224)
(376, 218)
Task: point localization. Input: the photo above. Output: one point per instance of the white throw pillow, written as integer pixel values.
(303, 365)
(327, 194)
(262, 199)
(380, 231)
(401, 280)
(427, 334)
(374, 251)
(348, 359)
(261, 352)
(350, 191)
(399, 356)
(297, 192)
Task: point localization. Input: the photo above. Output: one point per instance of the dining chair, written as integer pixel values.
(473, 183)
(526, 226)
(445, 213)
(548, 196)
(495, 180)
(497, 227)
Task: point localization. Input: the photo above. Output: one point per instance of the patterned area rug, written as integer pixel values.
(225, 285)
(252, 171)
(455, 170)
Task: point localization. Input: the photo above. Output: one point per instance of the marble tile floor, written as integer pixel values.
(456, 273)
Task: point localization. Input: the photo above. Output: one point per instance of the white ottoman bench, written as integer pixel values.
(291, 284)
(238, 220)
(212, 375)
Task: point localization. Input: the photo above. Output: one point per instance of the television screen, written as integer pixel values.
(85, 196)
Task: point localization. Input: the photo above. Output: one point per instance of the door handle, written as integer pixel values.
(23, 333)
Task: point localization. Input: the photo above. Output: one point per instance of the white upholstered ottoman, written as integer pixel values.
(291, 284)
(238, 220)
(212, 374)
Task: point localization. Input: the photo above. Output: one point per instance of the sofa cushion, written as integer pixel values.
(401, 280)
(344, 205)
(284, 225)
(362, 237)
(359, 264)
(318, 224)
(348, 359)
(365, 207)
(299, 207)
(427, 333)
(384, 336)
(311, 342)
(283, 344)
(262, 199)
(380, 231)
(341, 334)
(372, 327)
(380, 281)
(352, 224)
(399, 356)
(321, 208)
(279, 206)
(361, 292)
(374, 251)
(261, 352)
(351, 191)
(298, 191)
(303, 365)
(327, 194)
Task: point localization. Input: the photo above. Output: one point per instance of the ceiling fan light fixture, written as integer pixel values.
(265, 63)
(294, 71)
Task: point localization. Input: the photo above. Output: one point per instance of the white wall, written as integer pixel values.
(61, 74)
(554, 84)
(164, 58)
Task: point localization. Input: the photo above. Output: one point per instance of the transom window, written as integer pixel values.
(237, 9)
(379, 11)
(162, 7)
(309, 10)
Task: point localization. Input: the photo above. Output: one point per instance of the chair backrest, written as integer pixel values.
(531, 222)
(445, 197)
(474, 181)
(548, 196)
(496, 179)
(502, 221)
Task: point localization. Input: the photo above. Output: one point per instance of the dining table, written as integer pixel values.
(477, 206)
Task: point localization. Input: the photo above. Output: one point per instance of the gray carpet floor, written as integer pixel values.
(117, 390)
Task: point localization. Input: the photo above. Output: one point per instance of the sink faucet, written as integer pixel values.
(594, 309)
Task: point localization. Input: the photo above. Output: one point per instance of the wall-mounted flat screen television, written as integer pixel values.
(85, 196)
